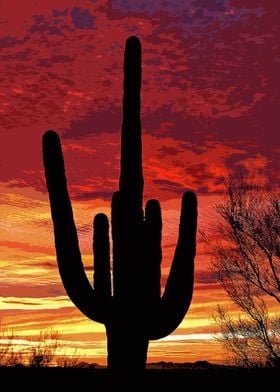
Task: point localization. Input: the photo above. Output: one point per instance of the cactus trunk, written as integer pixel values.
(127, 349)
(132, 310)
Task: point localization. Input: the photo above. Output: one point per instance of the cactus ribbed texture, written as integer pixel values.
(132, 310)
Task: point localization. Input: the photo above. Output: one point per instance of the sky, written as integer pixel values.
(210, 99)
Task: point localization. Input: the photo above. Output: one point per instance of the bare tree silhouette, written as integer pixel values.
(133, 311)
(245, 252)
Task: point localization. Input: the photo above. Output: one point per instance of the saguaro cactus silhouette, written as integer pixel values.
(132, 310)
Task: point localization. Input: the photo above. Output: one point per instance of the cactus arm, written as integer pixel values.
(68, 253)
(153, 228)
(179, 287)
(101, 251)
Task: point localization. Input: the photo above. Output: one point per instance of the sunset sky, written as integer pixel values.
(210, 104)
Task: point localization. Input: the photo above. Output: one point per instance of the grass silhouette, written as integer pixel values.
(42, 350)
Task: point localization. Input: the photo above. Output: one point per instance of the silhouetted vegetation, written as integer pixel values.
(135, 312)
(245, 253)
(17, 370)
(43, 350)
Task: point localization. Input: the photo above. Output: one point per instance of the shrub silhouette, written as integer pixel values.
(9, 356)
(133, 310)
(38, 351)
(43, 353)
